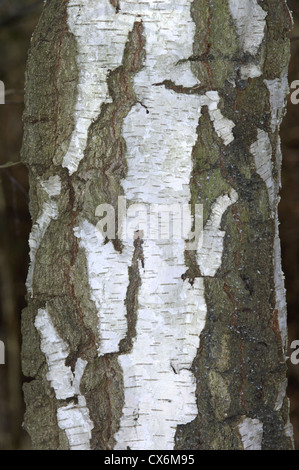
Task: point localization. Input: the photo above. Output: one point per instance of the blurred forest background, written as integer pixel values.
(17, 21)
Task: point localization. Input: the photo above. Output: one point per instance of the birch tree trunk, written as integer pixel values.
(145, 344)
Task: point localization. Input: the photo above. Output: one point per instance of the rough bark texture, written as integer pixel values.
(82, 337)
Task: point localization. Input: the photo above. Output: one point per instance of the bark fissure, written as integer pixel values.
(170, 85)
(131, 301)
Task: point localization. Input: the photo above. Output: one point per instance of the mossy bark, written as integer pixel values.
(240, 364)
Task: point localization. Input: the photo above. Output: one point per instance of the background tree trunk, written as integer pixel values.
(146, 345)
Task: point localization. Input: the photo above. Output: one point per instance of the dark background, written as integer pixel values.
(17, 21)
(289, 217)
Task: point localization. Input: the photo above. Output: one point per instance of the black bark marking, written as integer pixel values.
(170, 85)
(126, 344)
(115, 4)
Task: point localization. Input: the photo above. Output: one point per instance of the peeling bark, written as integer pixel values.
(141, 343)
